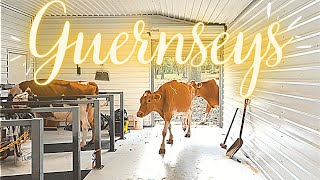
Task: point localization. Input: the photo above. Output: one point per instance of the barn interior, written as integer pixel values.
(281, 123)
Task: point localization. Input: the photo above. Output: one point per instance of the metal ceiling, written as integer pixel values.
(207, 11)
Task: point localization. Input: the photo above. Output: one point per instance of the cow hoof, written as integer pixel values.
(170, 141)
(187, 135)
(162, 151)
(82, 148)
(184, 129)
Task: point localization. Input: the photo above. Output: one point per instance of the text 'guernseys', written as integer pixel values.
(271, 54)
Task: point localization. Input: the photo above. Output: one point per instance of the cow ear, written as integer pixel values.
(156, 96)
(28, 90)
(199, 85)
(146, 93)
(193, 83)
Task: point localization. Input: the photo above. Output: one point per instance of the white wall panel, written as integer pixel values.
(281, 133)
(15, 29)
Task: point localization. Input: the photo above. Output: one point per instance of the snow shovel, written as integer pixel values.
(238, 143)
(223, 145)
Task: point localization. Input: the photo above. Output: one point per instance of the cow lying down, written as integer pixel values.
(171, 98)
(22, 91)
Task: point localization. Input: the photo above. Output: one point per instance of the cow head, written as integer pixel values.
(15, 90)
(148, 103)
(21, 97)
(27, 95)
(197, 87)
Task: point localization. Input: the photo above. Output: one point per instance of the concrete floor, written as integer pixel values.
(199, 157)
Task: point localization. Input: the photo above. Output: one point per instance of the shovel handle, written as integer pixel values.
(234, 116)
(246, 101)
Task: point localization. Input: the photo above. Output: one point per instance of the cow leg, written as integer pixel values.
(184, 124)
(90, 111)
(164, 133)
(85, 129)
(189, 119)
(92, 129)
(206, 115)
(170, 141)
(84, 125)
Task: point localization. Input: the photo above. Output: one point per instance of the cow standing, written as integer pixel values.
(208, 90)
(64, 88)
(171, 98)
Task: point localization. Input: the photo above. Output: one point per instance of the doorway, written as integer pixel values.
(17, 69)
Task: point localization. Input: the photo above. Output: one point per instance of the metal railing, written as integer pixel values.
(36, 143)
(120, 93)
(75, 132)
(97, 123)
(105, 94)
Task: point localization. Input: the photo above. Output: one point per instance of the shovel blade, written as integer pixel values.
(234, 148)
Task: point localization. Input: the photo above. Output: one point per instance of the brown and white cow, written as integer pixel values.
(64, 88)
(208, 90)
(171, 98)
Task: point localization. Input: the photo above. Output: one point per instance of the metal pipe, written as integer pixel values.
(75, 143)
(221, 89)
(112, 124)
(73, 97)
(121, 116)
(39, 103)
(37, 148)
(97, 134)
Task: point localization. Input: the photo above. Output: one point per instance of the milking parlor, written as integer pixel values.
(160, 89)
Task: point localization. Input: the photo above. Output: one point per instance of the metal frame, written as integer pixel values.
(101, 95)
(121, 109)
(221, 79)
(37, 143)
(97, 122)
(221, 88)
(152, 78)
(75, 132)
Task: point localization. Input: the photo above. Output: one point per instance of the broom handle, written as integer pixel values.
(243, 115)
(225, 140)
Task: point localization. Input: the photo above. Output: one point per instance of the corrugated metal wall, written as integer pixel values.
(281, 133)
(15, 28)
(132, 77)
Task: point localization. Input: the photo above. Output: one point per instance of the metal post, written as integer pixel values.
(221, 79)
(152, 76)
(112, 124)
(75, 143)
(37, 148)
(97, 134)
(121, 116)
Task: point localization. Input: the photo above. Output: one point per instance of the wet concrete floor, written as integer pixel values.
(198, 157)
